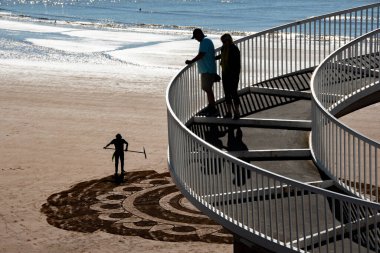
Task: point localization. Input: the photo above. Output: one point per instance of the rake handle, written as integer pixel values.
(134, 151)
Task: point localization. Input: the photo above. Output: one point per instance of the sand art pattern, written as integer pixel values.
(147, 204)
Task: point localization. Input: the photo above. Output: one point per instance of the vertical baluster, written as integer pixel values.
(324, 39)
(283, 211)
(283, 59)
(264, 50)
(274, 72)
(222, 191)
(377, 239)
(194, 172)
(289, 211)
(256, 57)
(365, 182)
(376, 175)
(211, 189)
(286, 51)
(276, 210)
(269, 190)
(350, 221)
(218, 191)
(278, 72)
(329, 38)
(199, 172)
(366, 21)
(361, 22)
(228, 189)
(358, 218)
(263, 187)
(315, 43)
(302, 47)
(350, 26)
(244, 70)
(247, 205)
(249, 61)
(329, 146)
(303, 217)
(258, 203)
(291, 49)
(305, 47)
(309, 193)
(310, 44)
(241, 176)
(354, 167)
(356, 24)
(334, 33)
(341, 224)
(325, 208)
(295, 47)
(261, 70)
(253, 191)
(234, 195)
(191, 182)
(317, 217)
(334, 221)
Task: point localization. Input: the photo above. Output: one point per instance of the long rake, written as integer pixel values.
(133, 151)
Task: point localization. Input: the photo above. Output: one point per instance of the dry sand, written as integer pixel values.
(51, 139)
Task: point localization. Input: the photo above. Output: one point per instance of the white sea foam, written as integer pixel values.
(134, 57)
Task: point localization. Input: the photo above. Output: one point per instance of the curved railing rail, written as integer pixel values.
(348, 76)
(259, 206)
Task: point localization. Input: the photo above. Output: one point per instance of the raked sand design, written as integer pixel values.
(146, 204)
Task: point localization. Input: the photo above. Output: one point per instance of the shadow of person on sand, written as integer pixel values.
(213, 135)
(235, 143)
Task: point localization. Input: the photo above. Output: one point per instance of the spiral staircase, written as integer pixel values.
(289, 175)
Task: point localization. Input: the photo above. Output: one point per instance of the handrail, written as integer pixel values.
(262, 207)
(346, 155)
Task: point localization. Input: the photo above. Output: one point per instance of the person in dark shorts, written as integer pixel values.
(230, 62)
(119, 142)
(206, 67)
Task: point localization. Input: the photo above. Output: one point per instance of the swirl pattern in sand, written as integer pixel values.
(146, 204)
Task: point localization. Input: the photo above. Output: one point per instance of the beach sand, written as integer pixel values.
(55, 120)
(52, 139)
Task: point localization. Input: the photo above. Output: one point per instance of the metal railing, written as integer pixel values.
(348, 76)
(259, 206)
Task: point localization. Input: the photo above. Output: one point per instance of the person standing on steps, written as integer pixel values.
(119, 142)
(230, 62)
(206, 67)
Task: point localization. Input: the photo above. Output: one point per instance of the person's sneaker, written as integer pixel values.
(212, 111)
(236, 116)
(205, 111)
(228, 115)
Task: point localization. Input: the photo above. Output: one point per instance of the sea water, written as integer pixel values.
(215, 15)
(153, 34)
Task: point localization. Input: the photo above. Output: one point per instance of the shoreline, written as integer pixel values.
(119, 27)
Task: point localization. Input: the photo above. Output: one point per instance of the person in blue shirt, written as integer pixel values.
(206, 67)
